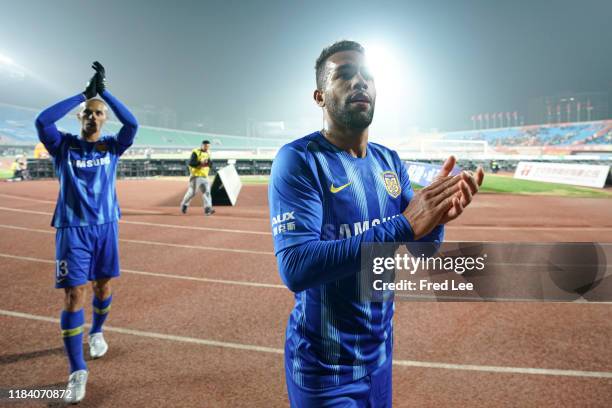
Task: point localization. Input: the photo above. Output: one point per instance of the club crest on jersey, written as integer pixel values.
(101, 147)
(392, 183)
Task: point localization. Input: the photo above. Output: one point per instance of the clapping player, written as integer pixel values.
(86, 215)
(330, 192)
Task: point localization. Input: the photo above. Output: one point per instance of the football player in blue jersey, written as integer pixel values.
(86, 215)
(329, 192)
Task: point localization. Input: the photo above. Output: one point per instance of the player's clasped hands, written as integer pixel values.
(97, 83)
(443, 200)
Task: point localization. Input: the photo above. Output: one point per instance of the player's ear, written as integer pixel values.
(319, 98)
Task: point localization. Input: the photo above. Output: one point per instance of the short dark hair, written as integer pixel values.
(338, 46)
(205, 142)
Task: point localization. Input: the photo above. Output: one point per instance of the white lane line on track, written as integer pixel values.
(153, 243)
(263, 349)
(246, 283)
(54, 202)
(153, 335)
(504, 370)
(138, 210)
(449, 227)
(235, 231)
(526, 228)
(153, 224)
(161, 275)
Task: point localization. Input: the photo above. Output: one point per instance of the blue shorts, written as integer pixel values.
(84, 254)
(373, 390)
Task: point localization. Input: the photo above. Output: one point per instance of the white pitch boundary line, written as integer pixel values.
(232, 217)
(161, 275)
(154, 243)
(153, 224)
(272, 350)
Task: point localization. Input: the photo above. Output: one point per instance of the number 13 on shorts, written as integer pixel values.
(61, 270)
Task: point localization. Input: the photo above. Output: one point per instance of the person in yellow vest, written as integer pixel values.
(40, 152)
(199, 166)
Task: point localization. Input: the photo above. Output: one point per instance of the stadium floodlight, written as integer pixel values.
(395, 79)
(385, 68)
(396, 90)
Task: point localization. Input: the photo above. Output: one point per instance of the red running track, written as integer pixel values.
(200, 312)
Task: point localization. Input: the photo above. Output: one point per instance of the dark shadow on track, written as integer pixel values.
(14, 358)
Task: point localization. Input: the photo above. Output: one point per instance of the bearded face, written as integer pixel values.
(353, 111)
(350, 93)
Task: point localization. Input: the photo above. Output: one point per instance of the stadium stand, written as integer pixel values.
(17, 128)
(575, 142)
(599, 132)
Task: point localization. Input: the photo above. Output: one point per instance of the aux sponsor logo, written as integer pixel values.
(283, 222)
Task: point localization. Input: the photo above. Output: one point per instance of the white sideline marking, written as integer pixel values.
(154, 224)
(263, 349)
(154, 243)
(161, 275)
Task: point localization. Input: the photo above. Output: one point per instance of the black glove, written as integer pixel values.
(92, 87)
(100, 76)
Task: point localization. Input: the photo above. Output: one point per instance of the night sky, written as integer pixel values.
(224, 63)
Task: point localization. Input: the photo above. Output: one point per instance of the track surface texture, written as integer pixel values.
(199, 313)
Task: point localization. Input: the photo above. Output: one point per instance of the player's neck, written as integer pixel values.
(92, 137)
(353, 141)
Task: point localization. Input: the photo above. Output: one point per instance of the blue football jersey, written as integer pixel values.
(319, 192)
(86, 173)
(86, 170)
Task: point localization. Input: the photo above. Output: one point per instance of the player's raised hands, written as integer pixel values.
(429, 205)
(91, 88)
(468, 186)
(100, 76)
(447, 167)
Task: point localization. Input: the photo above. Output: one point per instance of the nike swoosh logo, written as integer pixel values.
(334, 190)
